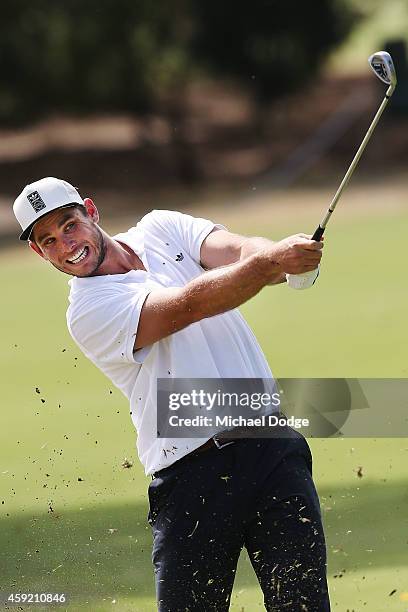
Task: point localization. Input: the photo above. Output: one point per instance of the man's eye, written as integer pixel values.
(69, 226)
(48, 241)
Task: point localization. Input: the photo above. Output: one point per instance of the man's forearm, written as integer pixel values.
(251, 246)
(225, 288)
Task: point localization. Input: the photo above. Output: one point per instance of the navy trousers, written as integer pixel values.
(256, 493)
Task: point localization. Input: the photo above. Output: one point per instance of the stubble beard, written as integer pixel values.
(101, 248)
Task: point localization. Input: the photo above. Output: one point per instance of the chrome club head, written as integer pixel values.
(383, 66)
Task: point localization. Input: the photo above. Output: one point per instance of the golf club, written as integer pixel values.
(383, 66)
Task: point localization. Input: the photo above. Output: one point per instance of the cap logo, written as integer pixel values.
(36, 201)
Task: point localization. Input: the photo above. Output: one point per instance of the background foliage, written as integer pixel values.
(104, 55)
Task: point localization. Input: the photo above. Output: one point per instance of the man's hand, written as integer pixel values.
(222, 248)
(295, 254)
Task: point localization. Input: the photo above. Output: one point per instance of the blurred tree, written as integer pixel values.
(275, 45)
(398, 50)
(102, 55)
(76, 56)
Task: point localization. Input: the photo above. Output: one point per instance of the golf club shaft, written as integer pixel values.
(320, 230)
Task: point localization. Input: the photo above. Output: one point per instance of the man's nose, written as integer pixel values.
(68, 243)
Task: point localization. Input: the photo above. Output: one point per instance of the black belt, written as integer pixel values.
(219, 441)
(214, 442)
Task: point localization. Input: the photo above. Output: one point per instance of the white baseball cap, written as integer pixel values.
(39, 198)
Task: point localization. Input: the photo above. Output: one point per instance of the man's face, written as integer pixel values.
(71, 241)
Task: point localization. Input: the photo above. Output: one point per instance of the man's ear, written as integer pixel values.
(91, 209)
(36, 248)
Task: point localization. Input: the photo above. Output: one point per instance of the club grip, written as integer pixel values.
(318, 234)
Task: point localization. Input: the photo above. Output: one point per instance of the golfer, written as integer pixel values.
(160, 301)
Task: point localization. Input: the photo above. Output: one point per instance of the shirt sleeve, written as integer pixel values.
(191, 231)
(104, 324)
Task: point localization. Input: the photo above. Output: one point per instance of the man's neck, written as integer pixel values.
(119, 258)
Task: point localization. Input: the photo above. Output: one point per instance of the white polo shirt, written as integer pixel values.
(103, 316)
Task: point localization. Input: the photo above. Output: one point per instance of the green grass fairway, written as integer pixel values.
(74, 520)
